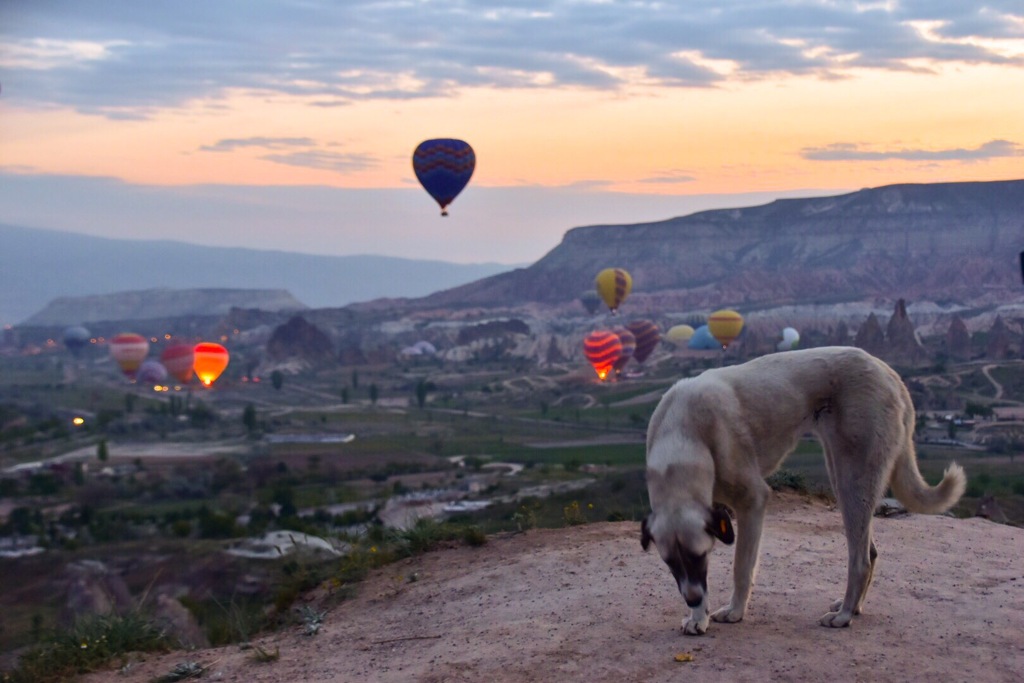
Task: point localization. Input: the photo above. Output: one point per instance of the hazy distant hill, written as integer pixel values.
(939, 242)
(149, 304)
(37, 266)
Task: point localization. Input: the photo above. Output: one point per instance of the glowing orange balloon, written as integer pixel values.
(602, 348)
(210, 360)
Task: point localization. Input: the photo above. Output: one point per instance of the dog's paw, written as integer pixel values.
(837, 606)
(695, 627)
(837, 619)
(728, 615)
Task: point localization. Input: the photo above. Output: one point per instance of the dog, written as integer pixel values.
(713, 439)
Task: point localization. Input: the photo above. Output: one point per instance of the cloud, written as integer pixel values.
(669, 178)
(111, 56)
(231, 144)
(331, 161)
(844, 151)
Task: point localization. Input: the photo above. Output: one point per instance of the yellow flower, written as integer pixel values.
(85, 646)
(590, 506)
(373, 549)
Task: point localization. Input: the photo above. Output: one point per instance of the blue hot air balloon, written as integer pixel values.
(443, 167)
(703, 341)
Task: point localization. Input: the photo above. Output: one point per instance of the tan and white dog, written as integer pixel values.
(714, 438)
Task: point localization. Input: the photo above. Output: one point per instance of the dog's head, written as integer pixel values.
(684, 540)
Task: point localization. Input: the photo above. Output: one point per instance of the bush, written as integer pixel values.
(787, 479)
(90, 644)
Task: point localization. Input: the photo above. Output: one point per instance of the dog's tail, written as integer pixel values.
(913, 491)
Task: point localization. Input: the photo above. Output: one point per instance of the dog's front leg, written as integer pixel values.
(697, 623)
(750, 521)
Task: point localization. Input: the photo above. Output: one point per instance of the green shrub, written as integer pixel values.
(91, 643)
(787, 479)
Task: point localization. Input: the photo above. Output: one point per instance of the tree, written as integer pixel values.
(374, 394)
(249, 418)
(101, 450)
(421, 393)
(344, 394)
(277, 379)
(355, 379)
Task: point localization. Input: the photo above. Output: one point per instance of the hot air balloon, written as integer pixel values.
(703, 341)
(443, 167)
(590, 301)
(75, 339)
(210, 361)
(679, 333)
(602, 348)
(790, 339)
(647, 337)
(178, 359)
(613, 286)
(151, 372)
(128, 350)
(725, 325)
(628, 341)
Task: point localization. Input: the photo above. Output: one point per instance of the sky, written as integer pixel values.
(290, 125)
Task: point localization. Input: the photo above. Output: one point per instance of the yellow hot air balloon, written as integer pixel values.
(679, 333)
(725, 325)
(129, 350)
(613, 286)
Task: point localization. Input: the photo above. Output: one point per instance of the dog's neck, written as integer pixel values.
(681, 483)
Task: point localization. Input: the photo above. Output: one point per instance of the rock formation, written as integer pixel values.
(870, 337)
(958, 340)
(902, 344)
(998, 346)
(298, 338)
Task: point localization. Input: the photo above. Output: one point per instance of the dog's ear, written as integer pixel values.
(645, 534)
(720, 525)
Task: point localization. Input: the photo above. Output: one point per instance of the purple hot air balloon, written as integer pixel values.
(443, 167)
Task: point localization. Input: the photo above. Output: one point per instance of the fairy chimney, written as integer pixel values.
(998, 340)
(903, 344)
(870, 336)
(958, 340)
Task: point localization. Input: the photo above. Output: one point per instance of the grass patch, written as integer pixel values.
(90, 644)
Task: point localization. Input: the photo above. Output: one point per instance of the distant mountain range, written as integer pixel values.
(149, 304)
(37, 266)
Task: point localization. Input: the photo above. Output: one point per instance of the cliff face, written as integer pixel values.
(945, 241)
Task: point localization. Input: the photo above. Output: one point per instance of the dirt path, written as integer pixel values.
(585, 604)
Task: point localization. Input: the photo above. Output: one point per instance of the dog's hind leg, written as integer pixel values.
(857, 498)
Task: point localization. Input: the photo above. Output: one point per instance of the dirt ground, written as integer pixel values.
(586, 604)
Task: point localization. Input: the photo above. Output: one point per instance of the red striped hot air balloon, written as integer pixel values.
(129, 350)
(178, 358)
(210, 361)
(628, 347)
(602, 348)
(725, 325)
(647, 338)
(613, 286)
